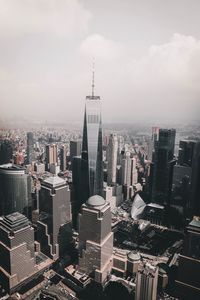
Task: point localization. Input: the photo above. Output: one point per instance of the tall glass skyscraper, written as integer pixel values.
(92, 145)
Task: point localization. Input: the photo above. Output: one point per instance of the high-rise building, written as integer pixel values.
(75, 149)
(15, 189)
(146, 282)
(30, 147)
(195, 183)
(51, 155)
(188, 283)
(134, 172)
(17, 259)
(6, 151)
(95, 238)
(63, 158)
(54, 212)
(163, 163)
(112, 159)
(126, 170)
(186, 152)
(92, 144)
(152, 142)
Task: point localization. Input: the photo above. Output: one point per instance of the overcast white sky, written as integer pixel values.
(147, 56)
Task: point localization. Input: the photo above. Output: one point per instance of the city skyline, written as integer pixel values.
(151, 71)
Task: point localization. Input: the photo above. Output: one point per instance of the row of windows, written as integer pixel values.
(93, 119)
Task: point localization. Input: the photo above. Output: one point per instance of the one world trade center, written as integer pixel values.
(92, 146)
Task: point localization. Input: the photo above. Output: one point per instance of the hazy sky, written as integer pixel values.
(147, 55)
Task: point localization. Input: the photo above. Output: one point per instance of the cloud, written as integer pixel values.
(58, 17)
(176, 63)
(100, 47)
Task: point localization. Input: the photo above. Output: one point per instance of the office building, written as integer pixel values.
(126, 169)
(112, 159)
(163, 163)
(17, 259)
(95, 238)
(30, 147)
(15, 189)
(186, 152)
(63, 158)
(195, 182)
(188, 283)
(51, 155)
(19, 263)
(92, 144)
(75, 148)
(146, 282)
(6, 151)
(54, 212)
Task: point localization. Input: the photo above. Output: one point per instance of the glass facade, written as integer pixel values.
(15, 188)
(92, 145)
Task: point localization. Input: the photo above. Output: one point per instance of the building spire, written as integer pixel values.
(93, 66)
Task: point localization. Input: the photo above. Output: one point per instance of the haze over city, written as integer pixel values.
(147, 59)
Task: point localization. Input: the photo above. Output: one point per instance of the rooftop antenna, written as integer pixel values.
(93, 65)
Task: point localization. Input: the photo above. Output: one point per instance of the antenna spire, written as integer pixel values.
(93, 66)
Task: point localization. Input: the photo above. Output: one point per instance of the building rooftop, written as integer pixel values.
(133, 256)
(96, 200)
(54, 181)
(14, 222)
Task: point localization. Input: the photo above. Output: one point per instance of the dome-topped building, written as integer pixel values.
(95, 238)
(96, 200)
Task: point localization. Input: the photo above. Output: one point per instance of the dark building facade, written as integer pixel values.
(163, 163)
(75, 148)
(195, 184)
(6, 151)
(15, 189)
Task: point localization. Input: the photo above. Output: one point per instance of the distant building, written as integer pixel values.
(15, 189)
(75, 148)
(146, 282)
(95, 238)
(51, 155)
(30, 147)
(112, 159)
(63, 158)
(6, 151)
(54, 212)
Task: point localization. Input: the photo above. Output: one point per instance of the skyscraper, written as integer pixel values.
(51, 155)
(63, 158)
(95, 238)
(195, 183)
(17, 259)
(92, 144)
(112, 159)
(30, 147)
(55, 211)
(75, 149)
(15, 189)
(163, 163)
(146, 282)
(6, 151)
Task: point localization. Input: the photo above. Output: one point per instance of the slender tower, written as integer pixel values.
(92, 145)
